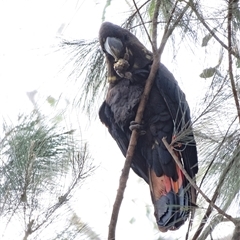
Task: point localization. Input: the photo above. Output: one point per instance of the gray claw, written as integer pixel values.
(138, 127)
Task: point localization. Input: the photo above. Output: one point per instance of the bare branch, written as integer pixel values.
(133, 140)
(236, 232)
(169, 30)
(154, 26)
(215, 155)
(29, 231)
(192, 5)
(211, 226)
(229, 28)
(129, 20)
(215, 195)
(131, 148)
(142, 21)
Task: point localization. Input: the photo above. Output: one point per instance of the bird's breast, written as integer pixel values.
(123, 99)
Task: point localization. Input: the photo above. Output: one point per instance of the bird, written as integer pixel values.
(166, 115)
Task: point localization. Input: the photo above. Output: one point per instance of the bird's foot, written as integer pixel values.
(121, 66)
(138, 127)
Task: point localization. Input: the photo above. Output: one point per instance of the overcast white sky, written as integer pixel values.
(29, 36)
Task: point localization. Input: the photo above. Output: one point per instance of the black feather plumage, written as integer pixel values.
(166, 114)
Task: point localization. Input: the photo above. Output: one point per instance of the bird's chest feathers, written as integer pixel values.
(123, 99)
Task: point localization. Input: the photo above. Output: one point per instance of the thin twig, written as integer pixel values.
(215, 155)
(235, 54)
(230, 68)
(169, 30)
(137, 10)
(194, 184)
(211, 226)
(142, 21)
(164, 22)
(154, 26)
(29, 231)
(214, 197)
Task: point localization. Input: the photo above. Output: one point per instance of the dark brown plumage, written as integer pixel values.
(166, 115)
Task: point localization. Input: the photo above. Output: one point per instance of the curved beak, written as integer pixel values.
(114, 47)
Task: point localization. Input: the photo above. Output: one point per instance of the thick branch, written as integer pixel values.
(134, 136)
(131, 148)
(133, 140)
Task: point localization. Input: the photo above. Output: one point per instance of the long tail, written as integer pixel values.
(173, 201)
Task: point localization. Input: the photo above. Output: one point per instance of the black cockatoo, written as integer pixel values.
(166, 115)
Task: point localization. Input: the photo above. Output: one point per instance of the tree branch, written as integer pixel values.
(140, 16)
(169, 30)
(131, 147)
(211, 226)
(129, 20)
(214, 197)
(236, 232)
(215, 155)
(144, 98)
(229, 28)
(29, 231)
(154, 26)
(235, 54)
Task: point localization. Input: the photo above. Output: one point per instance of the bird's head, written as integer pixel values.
(124, 52)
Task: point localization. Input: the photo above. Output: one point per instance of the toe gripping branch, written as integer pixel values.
(140, 128)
